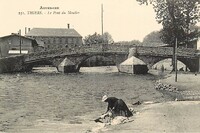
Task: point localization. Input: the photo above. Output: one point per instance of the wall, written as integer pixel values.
(11, 64)
(13, 42)
(26, 44)
(4, 47)
(59, 42)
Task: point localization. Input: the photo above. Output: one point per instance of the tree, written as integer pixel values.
(152, 39)
(93, 39)
(107, 38)
(97, 38)
(177, 17)
(130, 43)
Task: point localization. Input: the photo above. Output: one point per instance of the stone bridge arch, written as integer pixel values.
(192, 64)
(79, 59)
(117, 58)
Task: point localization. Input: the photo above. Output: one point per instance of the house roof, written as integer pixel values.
(14, 34)
(133, 61)
(66, 62)
(40, 43)
(59, 32)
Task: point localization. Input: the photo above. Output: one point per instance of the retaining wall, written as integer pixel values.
(11, 64)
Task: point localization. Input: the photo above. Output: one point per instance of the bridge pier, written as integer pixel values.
(67, 66)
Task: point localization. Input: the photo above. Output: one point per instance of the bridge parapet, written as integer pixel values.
(118, 48)
(166, 51)
(73, 51)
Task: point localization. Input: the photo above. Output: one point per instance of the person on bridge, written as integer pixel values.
(116, 107)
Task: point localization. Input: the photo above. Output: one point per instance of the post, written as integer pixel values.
(25, 30)
(176, 60)
(20, 42)
(101, 19)
(0, 51)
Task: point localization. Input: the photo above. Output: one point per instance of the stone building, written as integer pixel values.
(55, 38)
(10, 45)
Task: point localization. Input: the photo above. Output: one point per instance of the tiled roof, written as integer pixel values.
(58, 32)
(15, 34)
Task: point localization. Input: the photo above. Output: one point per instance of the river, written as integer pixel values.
(46, 95)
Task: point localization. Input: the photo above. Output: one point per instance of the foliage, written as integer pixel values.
(97, 38)
(107, 38)
(133, 42)
(177, 18)
(93, 39)
(152, 39)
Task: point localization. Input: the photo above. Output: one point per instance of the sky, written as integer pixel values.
(125, 20)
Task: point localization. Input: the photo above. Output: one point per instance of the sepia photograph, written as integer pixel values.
(99, 66)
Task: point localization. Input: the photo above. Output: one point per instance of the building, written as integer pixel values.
(55, 38)
(10, 45)
(195, 41)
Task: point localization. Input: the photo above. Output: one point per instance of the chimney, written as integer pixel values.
(25, 30)
(68, 26)
(19, 32)
(29, 29)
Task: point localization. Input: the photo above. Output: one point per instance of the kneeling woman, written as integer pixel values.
(117, 107)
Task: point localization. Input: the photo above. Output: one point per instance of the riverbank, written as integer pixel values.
(179, 116)
(172, 116)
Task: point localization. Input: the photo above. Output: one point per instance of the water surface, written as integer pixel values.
(49, 95)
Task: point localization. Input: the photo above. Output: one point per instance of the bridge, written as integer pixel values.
(116, 52)
(152, 55)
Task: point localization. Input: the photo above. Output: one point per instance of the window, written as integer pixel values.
(63, 40)
(57, 40)
(74, 40)
(51, 40)
(60, 40)
(54, 40)
(70, 40)
(9, 41)
(66, 40)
